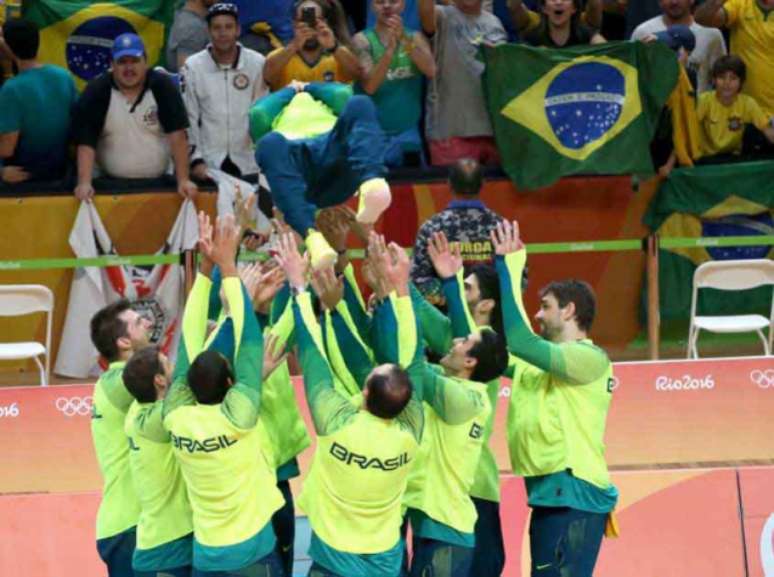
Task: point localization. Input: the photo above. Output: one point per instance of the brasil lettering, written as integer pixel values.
(204, 446)
(341, 453)
(684, 383)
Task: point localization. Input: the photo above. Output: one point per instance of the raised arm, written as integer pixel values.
(447, 261)
(574, 362)
(427, 16)
(712, 13)
(523, 18)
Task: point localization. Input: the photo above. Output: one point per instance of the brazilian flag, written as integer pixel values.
(78, 35)
(579, 110)
(712, 201)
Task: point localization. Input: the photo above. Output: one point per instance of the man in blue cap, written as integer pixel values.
(130, 120)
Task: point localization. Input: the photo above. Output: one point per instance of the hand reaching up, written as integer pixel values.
(446, 258)
(289, 259)
(505, 238)
(328, 287)
(273, 355)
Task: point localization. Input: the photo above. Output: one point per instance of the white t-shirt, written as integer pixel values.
(133, 143)
(709, 47)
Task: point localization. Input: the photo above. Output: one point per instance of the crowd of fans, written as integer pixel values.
(416, 59)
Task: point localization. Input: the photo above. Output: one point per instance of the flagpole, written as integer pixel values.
(654, 315)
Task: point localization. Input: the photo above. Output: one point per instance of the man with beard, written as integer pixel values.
(709, 42)
(559, 401)
(559, 25)
(129, 120)
(219, 85)
(319, 50)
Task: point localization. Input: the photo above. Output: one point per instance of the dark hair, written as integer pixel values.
(388, 394)
(580, 294)
(489, 288)
(730, 63)
(465, 176)
(140, 373)
(491, 355)
(22, 37)
(209, 376)
(333, 14)
(107, 328)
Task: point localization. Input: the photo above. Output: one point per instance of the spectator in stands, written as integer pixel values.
(129, 119)
(752, 39)
(457, 121)
(220, 83)
(265, 24)
(560, 24)
(724, 112)
(319, 50)
(393, 61)
(188, 34)
(35, 108)
(709, 42)
(465, 220)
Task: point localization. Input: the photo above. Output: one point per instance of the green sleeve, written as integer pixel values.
(355, 304)
(282, 324)
(350, 358)
(436, 328)
(150, 423)
(574, 362)
(242, 402)
(112, 384)
(265, 110)
(452, 401)
(461, 320)
(330, 409)
(192, 337)
(334, 95)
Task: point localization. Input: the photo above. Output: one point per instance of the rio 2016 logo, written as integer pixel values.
(9, 411)
(685, 383)
(74, 406)
(763, 378)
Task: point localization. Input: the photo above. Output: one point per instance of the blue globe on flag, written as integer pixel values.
(89, 46)
(738, 225)
(584, 102)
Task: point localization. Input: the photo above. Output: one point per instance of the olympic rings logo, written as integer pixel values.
(763, 378)
(72, 406)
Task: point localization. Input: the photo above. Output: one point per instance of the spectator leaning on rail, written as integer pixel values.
(129, 119)
(709, 42)
(394, 60)
(465, 221)
(219, 85)
(559, 24)
(35, 108)
(457, 119)
(188, 34)
(751, 23)
(319, 50)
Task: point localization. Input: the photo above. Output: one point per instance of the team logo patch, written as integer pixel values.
(241, 81)
(735, 124)
(151, 117)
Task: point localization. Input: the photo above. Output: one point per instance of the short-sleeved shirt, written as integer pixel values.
(455, 100)
(752, 39)
(38, 104)
(130, 138)
(188, 35)
(722, 127)
(326, 69)
(710, 46)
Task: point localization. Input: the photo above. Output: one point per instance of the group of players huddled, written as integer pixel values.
(196, 458)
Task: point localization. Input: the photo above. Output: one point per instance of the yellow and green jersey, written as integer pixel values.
(355, 487)
(164, 531)
(119, 509)
(231, 480)
(559, 402)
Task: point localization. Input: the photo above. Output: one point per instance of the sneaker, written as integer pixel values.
(321, 253)
(375, 197)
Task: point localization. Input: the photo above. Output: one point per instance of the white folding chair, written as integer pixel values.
(24, 299)
(731, 275)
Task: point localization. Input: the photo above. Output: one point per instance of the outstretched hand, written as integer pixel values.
(328, 287)
(273, 355)
(205, 243)
(446, 258)
(226, 244)
(291, 261)
(505, 238)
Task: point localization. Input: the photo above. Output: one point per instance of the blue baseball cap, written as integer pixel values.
(128, 44)
(678, 36)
